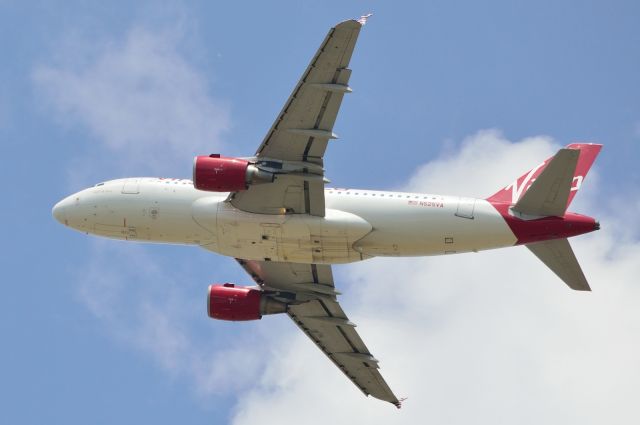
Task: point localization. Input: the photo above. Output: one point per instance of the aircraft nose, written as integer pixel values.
(59, 211)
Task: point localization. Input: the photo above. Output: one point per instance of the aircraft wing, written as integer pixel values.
(318, 314)
(302, 130)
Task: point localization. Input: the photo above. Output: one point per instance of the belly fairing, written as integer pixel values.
(296, 238)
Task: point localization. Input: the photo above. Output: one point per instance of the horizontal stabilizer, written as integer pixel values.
(549, 193)
(559, 257)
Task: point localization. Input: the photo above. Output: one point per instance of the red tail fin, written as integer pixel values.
(513, 192)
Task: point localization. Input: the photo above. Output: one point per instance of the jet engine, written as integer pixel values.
(214, 173)
(238, 303)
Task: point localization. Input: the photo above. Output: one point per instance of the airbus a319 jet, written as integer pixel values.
(274, 215)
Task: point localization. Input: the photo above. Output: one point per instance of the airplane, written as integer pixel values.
(274, 215)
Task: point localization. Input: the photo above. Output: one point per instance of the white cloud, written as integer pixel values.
(148, 306)
(138, 97)
(481, 165)
(492, 337)
(489, 337)
(148, 111)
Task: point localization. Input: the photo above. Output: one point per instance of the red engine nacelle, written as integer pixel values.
(219, 174)
(237, 303)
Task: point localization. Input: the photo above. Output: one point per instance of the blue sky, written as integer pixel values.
(106, 332)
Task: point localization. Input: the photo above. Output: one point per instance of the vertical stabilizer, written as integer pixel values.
(548, 195)
(512, 193)
(559, 257)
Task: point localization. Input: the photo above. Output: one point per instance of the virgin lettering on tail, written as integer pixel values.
(577, 182)
(518, 188)
(512, 193)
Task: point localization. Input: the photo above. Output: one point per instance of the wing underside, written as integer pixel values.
(293, 151)
(300, 134)
(318, 314)
(305, 124)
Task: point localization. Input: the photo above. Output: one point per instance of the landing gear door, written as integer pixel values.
(466, 207)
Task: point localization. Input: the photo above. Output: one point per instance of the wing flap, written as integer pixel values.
(321, 318)
(344, 347)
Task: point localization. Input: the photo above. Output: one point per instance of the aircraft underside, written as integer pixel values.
(274, 215)
(358, 224)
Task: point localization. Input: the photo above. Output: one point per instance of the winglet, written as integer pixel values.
(363, 19)
(399, 402)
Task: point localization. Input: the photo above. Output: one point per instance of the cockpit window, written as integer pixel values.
(99, 184)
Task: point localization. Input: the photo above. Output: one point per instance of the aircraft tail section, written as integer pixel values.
(549, 188)
(535, 206)
(559, 257)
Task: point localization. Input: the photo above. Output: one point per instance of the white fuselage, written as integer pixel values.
(358, 224)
